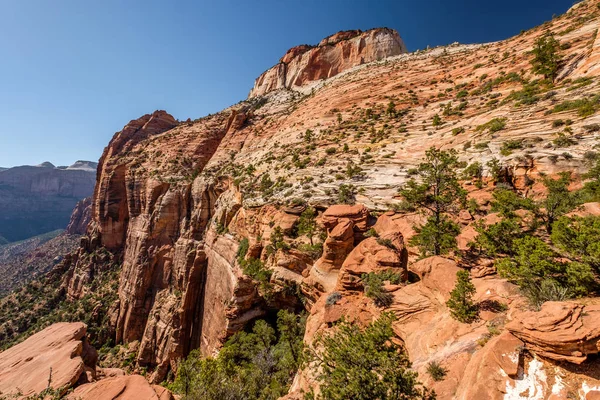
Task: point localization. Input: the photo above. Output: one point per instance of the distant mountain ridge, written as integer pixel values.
(39, 199)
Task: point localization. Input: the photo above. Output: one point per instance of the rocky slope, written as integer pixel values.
(173, 201)
(39, 199)
(24, 261)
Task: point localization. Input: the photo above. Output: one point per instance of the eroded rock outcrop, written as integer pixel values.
(560, 330)
(57, 356)
(334, 54)
(128, 387)
(81, 217)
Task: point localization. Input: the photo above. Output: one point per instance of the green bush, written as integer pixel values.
(251, 365)
(307, 224)
(461, 305)
(546, 57)
(535, 262)
(493, 125)
(436, 236)
(373, 285)
(510, 145)
(497, 238)
(436, 371)
(355, 363)
(579, 238)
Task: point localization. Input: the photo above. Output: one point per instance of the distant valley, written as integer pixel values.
(39, 199)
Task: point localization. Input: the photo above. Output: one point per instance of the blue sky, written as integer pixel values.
(73, 72)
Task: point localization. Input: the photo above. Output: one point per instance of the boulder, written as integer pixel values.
(372, 255)
(437, 274)
(563, 331)
(53, 356)
(357, 213)
(129, 387)
(337, 246)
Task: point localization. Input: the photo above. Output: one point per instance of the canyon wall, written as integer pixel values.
(40, 199)
(174, 200)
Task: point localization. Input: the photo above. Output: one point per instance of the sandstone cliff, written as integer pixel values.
(334, 54)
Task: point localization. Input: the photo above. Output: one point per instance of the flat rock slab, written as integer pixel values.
(25, 368)
(130, 387)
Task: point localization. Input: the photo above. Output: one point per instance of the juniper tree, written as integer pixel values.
(545, 57)
(436, 190)
(461, 303)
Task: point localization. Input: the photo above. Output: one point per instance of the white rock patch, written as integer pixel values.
(530, 386)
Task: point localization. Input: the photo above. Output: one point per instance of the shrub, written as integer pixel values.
(546, 57)
(436, 371)
(510, 145)
(461, 305)
(506, 202)
(355, 363)
(493, 125)
(437, 120)
(333, 298)
(437, 236)
(251, 365)
(579, 238)
(584, 106)
(534, 262)
(458, 130)
(373, 284)
(307, 224)
(497, 238)
(563, 140)
(558, 201)
(346, 194)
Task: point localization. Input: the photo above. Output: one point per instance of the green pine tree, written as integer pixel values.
(461, 302)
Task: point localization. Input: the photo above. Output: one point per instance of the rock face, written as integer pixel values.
(58, 353)
(81, 217)
(40, 199)
(560, 330)
(130, 387)
(334, 54)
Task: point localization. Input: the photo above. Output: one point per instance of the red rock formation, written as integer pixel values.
(130, 387)
(334, 54)
(560, 330)
(59, 351)
(81, 217)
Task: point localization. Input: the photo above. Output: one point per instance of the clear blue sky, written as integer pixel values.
(73, 72)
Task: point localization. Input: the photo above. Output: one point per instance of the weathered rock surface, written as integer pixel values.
(560, 330)
(81, 217)
(129, 387)
(374, 255)
(334, 54)
(57, 353)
